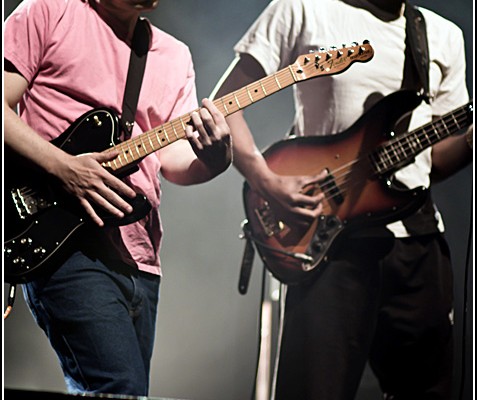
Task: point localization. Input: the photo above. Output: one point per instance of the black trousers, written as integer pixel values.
(393, 309)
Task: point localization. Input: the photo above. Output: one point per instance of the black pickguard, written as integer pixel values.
(42, 221)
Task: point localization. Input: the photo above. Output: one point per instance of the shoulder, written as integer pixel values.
(437, 23)
(164, 41)
(47, 10)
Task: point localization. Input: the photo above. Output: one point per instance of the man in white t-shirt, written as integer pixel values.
(386, 299)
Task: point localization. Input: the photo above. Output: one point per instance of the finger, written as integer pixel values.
(110, 202)
(316, 179)
(108, 178)
(118, 185)
(305, 200)
(220, 127)
(192, 133)
(214, 112)
(107, 155)
(202, 121)
(91, 212)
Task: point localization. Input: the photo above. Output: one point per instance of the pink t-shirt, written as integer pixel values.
(74, 62)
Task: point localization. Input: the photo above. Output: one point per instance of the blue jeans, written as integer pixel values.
(100, 319)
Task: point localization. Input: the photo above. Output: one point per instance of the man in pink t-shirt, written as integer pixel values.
(62, 59)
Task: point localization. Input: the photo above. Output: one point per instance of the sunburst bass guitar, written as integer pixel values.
(42, 222)
(359, 190)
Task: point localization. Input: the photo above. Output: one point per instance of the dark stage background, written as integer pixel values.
(207, 333)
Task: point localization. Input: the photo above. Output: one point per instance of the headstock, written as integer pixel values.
(331, 61)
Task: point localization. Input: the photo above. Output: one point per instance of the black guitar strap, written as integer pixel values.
(416, 77)
(137, 63)
(416, 66)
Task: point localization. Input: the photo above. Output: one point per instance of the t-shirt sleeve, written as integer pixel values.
(448, 48)
(187, 98)
(453, 90)
(26, 32)
(271, 39)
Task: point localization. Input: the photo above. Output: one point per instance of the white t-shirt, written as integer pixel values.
(329, 104)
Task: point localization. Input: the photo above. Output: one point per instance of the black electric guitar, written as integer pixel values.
(359, 190)
(41, 220)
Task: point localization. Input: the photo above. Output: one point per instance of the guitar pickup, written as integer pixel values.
(330, 188)
(27, 202)
(267, 220)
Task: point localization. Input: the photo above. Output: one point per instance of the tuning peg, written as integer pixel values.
(355, 44)
(365, 41)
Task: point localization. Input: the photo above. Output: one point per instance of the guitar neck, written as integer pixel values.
(135, 149)
(402, 149)
(306, 66)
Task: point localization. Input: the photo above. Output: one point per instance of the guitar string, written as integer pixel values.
(342, 180)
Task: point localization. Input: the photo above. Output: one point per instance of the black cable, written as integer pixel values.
(464, 318)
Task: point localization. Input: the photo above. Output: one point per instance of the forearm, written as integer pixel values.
(180, 165)
(450, 156)
(22, 139)
(247, 158)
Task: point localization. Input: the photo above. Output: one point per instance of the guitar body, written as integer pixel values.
(355, 196)
(41, 220)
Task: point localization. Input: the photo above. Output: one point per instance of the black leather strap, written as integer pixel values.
(137, 63)
(417, 49)
(247, 260)
(416, 76)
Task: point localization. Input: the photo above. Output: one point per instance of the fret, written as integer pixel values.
(236, 100)
(388, 157)
(292, 73)
(436, 131)
(412, 142)
(403, 150)
(165, 134)
(125, 154)
(115, 163)
(150, 142)
(119, 158)
(376, 160)
(135, 147)
(225, 106)
(456, 123)
(174, 130)
(426, 136)
(393, 149)
(382, 158)
(277, 81)
(263, 87)
(143, 146)
(249, 95)
(183, 124)
(445, 127)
